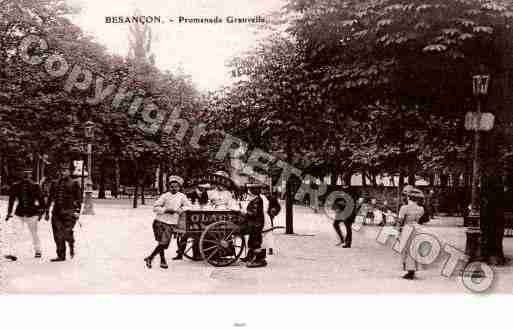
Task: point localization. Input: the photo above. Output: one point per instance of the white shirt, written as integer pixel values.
(172, 202)
(411, 213)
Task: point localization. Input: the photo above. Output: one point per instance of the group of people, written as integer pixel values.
(411, 212)
(257, 208)
(63, 199)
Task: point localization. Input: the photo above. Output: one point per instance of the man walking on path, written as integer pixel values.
(28, 211)
(348, 219)
(66, 196)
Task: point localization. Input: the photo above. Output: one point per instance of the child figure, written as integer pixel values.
(167, 209)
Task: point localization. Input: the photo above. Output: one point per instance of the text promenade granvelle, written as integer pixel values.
(183, 20)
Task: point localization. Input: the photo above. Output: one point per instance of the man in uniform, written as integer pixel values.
(253, 226)
(66, 196)
(29, 210)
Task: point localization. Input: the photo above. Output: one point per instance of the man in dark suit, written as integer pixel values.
(66, 197)
(348, 220)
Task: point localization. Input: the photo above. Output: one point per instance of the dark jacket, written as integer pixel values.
(66, 196)
(255, 212)
(202, 198)
(29, 196)
(354, 214)
(274, 206)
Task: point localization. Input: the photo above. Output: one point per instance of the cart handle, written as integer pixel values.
(272, 228)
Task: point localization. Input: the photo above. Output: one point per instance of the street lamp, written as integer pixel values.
(89, 135)
(480, 83)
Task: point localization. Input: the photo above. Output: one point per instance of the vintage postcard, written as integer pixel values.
(249, 147)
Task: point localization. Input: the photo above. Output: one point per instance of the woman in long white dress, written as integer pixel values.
(410, 214)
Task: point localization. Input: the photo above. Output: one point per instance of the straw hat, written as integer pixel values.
(175, 178)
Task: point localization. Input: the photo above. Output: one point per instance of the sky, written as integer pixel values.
(202, 50)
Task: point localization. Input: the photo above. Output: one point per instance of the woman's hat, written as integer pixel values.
(175, 178)
(415, 193)
(222, 173)
(408, 188)
(255, 185)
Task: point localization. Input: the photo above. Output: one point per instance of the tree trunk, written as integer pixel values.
(347, 178)
(443, 180)
(289, 199)
(468, 179)
(492, 219)
(161, 178)
(364, 179)
(289, 208)
(101, 188)
(334, 178)
(35, 166)
(136, 185)
(492, 187)
(115, 183)
(43, 167)
(401, 179)
(400, 186)
(1, 172)
(411, 175)
(165, 175)
(143, 202)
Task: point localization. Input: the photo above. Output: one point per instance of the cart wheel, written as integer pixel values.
(189, 249)
(221, 243)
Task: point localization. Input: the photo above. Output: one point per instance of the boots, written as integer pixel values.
(410, 275)
(148, 261)
(249, 256)
(259, 260)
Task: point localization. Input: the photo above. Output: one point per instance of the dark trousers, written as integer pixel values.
(254, 231)
(336, 226)
(62, 228)
(255, 240)
(349, 231)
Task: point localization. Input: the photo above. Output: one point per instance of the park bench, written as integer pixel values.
(128, 192)
(152, 192)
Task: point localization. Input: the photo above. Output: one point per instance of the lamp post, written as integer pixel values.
(480, 83)
(89, 135)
